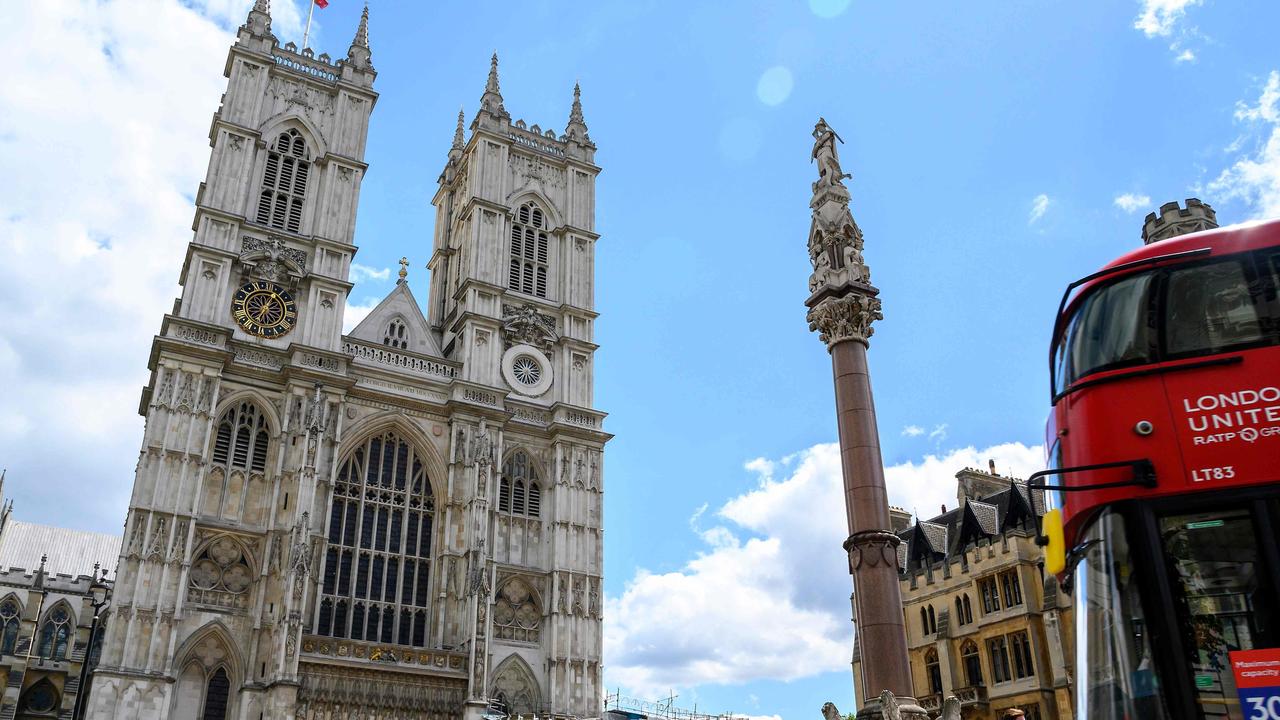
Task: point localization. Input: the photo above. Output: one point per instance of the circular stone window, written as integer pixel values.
(526, 370)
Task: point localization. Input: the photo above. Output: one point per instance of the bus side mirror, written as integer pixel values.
(1052, 539)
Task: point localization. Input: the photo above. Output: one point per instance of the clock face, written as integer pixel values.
(264, 309)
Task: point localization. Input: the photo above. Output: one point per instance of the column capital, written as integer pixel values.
(847, 317)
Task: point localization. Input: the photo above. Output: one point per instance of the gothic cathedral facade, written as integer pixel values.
(400, 522)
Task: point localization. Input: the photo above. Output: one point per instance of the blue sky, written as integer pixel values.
(998, 151)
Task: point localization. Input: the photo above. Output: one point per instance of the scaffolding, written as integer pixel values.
(665, 709)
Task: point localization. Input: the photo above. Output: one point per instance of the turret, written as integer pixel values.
(1174, 221)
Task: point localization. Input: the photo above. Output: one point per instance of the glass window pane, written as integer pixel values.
(1213, 560)
(1117, 678)
(1210, 308)
(1110, 329)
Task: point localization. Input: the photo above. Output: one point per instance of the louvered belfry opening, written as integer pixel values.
(284, 183)
(518, 491)
(378, 563)
(242, 439)
(528, 268)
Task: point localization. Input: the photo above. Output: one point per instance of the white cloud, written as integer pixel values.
(1166, 19)
(1039, 205)
(745, 608)
(104, 115)
(356, 312)
(105, 120)
(1255, 176)
(912, 431)
(1160, 17)
(1132, 202)
(938, 433)
(364, 272)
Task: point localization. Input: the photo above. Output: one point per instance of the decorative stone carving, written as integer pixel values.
(301, 557)
(516, 615)
(845, 318)
(270, 258)
(835, 242)
(524, 325)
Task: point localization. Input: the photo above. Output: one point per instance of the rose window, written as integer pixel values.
(222, 568)
(527, 370)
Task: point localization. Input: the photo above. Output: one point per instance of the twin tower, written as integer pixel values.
(400, 522)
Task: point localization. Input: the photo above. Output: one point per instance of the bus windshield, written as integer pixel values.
(1188, 310)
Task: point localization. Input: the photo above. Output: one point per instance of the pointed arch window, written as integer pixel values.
(55, 634)
(377, 567)
(528, 266)
(10, 614)
(242, 439)
(972, 663)
(397, 335)
(519, 492)
(934, 670)
(216, 695)
(284, 182)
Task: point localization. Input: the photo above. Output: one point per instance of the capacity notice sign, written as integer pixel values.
(1258, 682)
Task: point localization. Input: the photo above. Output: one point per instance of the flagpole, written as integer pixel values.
(307, 33)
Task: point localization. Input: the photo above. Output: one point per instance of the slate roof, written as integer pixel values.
(71, 552)
(944, 535)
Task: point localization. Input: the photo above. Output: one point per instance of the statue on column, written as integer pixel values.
(824, 153)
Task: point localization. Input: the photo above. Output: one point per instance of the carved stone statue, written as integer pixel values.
(889, 706)
(482, 445)
(950, 709)
(829, 712)
(824, 153)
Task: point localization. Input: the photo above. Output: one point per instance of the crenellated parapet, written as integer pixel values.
(1174, 220)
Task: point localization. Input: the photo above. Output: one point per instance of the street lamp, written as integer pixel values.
(99, 594)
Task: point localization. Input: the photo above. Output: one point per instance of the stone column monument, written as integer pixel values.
(842, 306)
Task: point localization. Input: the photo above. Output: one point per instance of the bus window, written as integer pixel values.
(1211, 308)
(1213, 563)
(1117, 675)
(1110, 329)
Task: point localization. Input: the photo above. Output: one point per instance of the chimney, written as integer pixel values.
(899, 519)
(1173, 221)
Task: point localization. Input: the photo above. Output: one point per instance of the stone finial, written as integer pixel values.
(1173, 220)
(491, 101)
(359, 53)
(577, 127)
(259, 21)
(404, 270)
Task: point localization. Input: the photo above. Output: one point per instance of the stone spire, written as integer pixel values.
(577, 127)
(359, 54)
(491, 101)
(842, 306)
(459, 139)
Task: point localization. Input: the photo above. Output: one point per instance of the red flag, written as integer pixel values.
(322, 4)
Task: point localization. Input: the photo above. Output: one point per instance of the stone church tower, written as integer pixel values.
(403, 522)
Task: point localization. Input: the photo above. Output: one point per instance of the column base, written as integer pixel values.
(902, 708)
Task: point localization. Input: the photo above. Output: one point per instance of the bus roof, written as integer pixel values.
(1224, 240)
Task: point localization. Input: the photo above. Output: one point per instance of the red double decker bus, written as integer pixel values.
(1164, 463)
